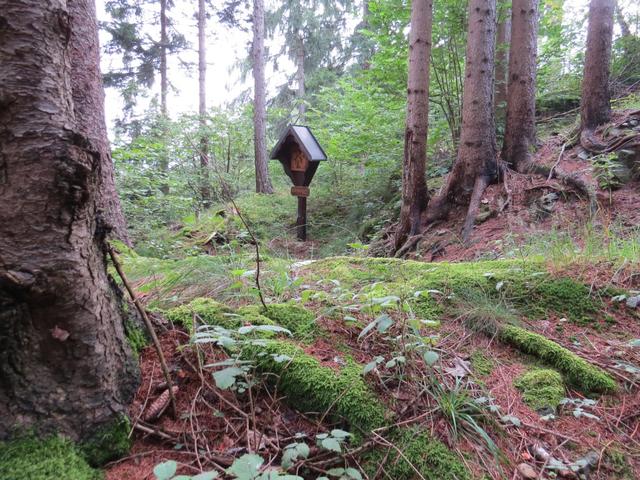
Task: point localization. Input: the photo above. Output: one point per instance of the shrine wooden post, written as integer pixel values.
(299, 153)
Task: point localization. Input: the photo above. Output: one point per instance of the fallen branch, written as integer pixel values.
(147, 322)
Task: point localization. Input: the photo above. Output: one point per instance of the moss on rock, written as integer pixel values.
(430, 457)
(541, 388)
(44, 459)
(311, 387)
(253, 315)
(206, 310)
(583, 375)
(108, 442)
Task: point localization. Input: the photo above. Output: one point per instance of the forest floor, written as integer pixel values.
(520, 360)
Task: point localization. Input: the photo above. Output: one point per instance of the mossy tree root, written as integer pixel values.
(581, 374)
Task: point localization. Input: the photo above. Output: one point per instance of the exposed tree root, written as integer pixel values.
(408, 246)
(479, 187)
(572, 180)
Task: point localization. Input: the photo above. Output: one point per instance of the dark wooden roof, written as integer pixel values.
(303, 137)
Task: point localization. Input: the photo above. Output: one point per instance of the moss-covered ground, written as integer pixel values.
(387, 317)
(32, 458)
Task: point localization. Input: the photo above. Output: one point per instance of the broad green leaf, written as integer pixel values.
(331, 444)
(226, 377)
(430, 357)
(165, 470)
(205, 476)
(246, 467)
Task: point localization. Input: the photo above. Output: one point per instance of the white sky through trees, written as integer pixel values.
(226, 47)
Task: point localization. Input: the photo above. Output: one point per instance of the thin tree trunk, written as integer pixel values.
(477, 150)
(520, 128)
(164, 86)
(414, 186)
(302, 107)
(205, 188)
(263, 182)
(366, 58)
(164, 83)
(65, 364)
(88, 102)
(595, 106)
(502, 62)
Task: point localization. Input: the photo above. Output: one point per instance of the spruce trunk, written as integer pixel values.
(595, 108)
(65, 364)
(520, 129)
(414, 186)
(263, 182)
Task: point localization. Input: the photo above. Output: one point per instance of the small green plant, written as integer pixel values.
(607, 171)
(333, 441)
(167, 471)
(464, 415)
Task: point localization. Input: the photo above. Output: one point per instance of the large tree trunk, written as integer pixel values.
(595, 108)
(476, 164)
(503, 39)
(88, 104)
(205, 187)
(302, 107)
(414, 186)
(65, 365)
(263, 182)
(520, 128)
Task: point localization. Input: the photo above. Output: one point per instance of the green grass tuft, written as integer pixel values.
(586, 377)
(44, 459)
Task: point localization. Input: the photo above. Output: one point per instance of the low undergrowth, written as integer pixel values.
(44, 459)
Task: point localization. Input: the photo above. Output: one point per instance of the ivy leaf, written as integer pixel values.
(430, 357)
(165, 470)
(226, 377)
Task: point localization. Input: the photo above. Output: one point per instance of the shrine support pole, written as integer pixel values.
(301, 222)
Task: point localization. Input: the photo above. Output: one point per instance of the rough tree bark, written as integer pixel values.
(520, 128)
(88, 104)
(476, 164)
(205, 188)
(595, 108)
(302, 107)
(503, 39)
(65, 365)
(263, 182)
(414, 186)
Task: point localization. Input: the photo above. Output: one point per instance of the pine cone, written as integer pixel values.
(159, 405)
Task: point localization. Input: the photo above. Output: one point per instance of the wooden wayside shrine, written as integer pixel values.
(299, 153)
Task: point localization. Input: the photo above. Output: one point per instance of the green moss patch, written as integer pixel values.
(44, 459)
(300, 321)
(313, 388)
(481, 364)
(541, 389)
(524, 284)
(430, 457)
(583, 375)
(109, 442)
(136, 337)
(206, 311)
